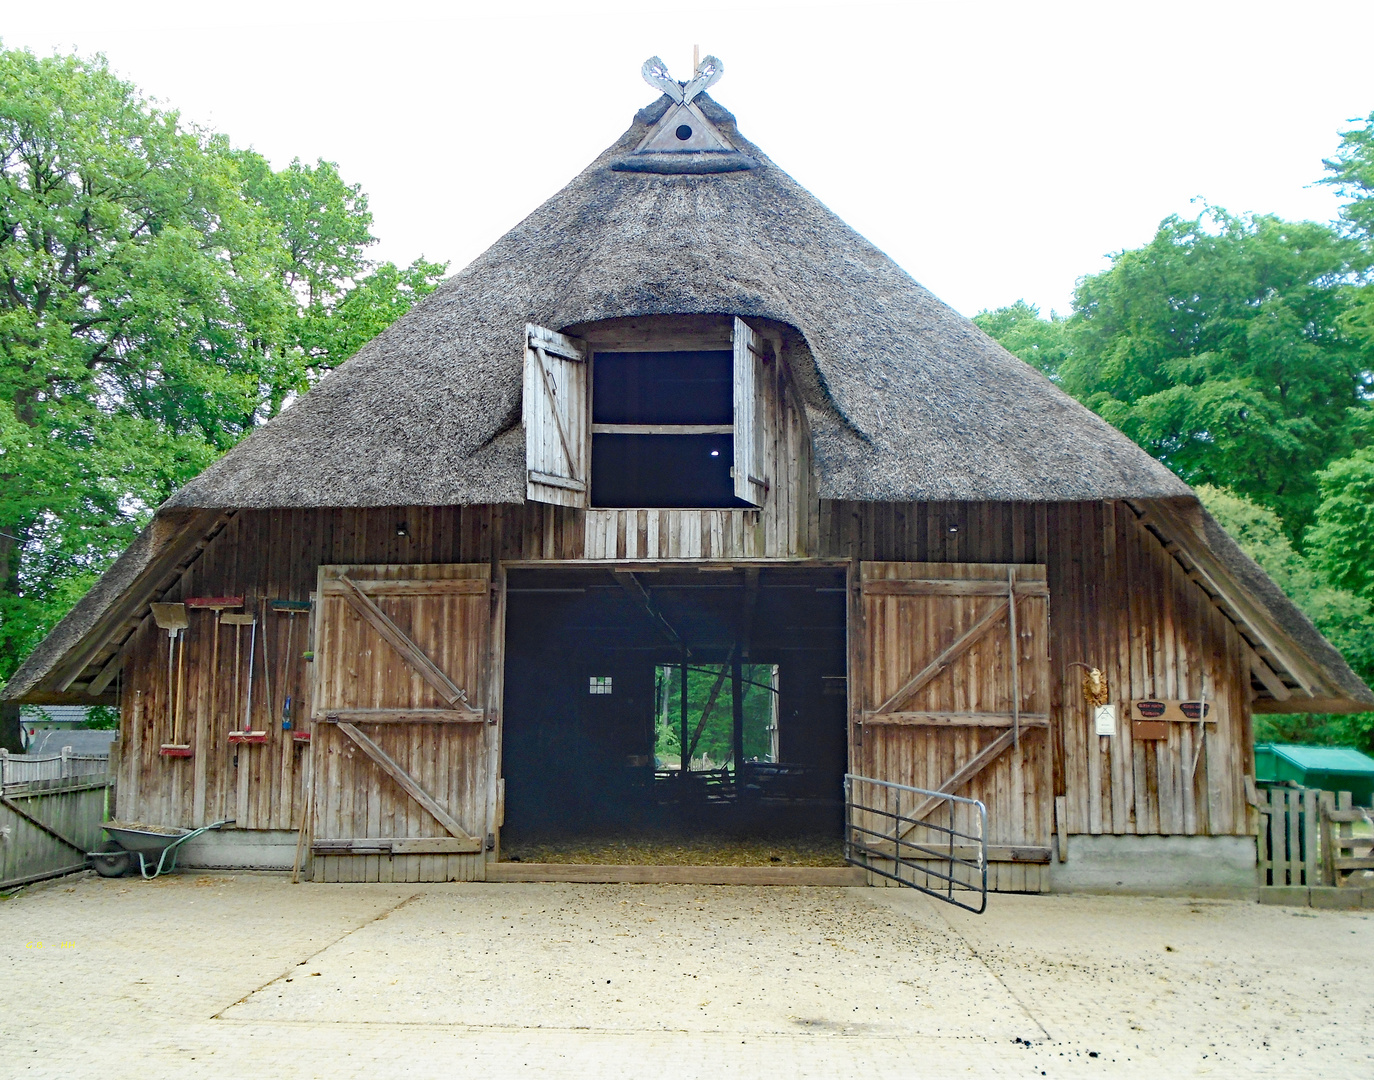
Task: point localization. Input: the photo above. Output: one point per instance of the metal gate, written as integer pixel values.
(926, 840)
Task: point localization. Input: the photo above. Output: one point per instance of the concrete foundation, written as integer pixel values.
(240, 849)
(1156, 865)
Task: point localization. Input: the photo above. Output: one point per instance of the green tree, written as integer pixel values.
(1342, 541)
(1042, 343)
(1224, 348)
(1219, 347)
(1346, 618)
(160, 293)
(717, 735)
(1351, 172)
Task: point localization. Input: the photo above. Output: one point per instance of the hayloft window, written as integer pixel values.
(646, 423)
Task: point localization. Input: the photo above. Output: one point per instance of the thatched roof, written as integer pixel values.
(911, 401)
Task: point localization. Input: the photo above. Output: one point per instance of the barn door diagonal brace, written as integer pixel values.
(952, 652)
(416, 657)
(543, 361)
(711, 701)
(406, 782)
(967, 772)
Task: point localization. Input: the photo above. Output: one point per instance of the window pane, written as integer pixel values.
(663, 388)
(684, 471)
(715, 747)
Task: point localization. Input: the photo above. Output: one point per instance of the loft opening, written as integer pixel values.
(666, 412)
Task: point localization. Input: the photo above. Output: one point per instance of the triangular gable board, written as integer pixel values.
(682, 129)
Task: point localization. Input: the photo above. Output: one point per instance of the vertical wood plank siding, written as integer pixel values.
(1118, 601)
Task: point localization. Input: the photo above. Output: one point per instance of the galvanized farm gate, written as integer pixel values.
(928, 840)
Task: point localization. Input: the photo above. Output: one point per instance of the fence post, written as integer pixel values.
(1328, 855)
(4, 764)
(64, 769)
(1346, 831)
(1310, 805)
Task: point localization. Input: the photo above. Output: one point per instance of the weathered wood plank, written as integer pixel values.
(952, 587)
(401, 716)
(953, 719)
(946, 657)
(413, 654)
(405, 781)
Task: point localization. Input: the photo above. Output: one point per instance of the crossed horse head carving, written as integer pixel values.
(708, 73)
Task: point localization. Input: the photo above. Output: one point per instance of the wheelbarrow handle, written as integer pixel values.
(171, 849)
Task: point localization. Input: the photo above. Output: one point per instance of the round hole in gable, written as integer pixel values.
(684, 132)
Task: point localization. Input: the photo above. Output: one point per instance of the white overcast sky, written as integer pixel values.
(995, 150)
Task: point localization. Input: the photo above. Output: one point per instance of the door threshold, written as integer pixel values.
(590, 873)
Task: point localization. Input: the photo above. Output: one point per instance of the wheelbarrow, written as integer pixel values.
(114, 858)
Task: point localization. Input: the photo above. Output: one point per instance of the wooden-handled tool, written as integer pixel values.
(290, 608)
(210, 713)
(172, 618)
(244, 733)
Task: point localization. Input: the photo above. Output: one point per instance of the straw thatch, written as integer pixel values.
(911, 400)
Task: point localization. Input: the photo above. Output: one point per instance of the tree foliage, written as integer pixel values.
(1221, 347)
(1039, 342)
(1344, 616)
(716, 743)
(160, 293)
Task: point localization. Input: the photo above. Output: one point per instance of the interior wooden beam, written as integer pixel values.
(627, 580)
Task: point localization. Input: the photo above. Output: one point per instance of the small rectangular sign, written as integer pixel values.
(1104, 719)
(1169, 709)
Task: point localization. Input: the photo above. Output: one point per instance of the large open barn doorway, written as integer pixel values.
(610, 673)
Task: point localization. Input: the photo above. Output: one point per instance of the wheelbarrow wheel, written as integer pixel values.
(110, 860)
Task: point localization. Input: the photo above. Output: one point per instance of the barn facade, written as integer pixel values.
(681, 424)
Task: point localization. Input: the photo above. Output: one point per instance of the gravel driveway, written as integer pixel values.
(247, 975)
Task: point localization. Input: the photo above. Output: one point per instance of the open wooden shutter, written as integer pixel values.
(751, 416)
(557, 425)
(399, 740)
(952, 692)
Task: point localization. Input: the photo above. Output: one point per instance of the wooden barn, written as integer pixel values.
(683, 432)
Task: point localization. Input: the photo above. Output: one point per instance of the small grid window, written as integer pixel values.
(599, 684)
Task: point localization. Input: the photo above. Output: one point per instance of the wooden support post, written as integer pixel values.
(686, 761)
(1061, 829)
(737, 706)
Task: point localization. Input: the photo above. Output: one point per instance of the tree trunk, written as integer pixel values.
(9, 727)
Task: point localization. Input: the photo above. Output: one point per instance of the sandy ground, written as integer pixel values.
(247, 975)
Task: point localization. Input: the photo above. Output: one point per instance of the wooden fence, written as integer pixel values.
(1306, 837)
(47, 826)
(21, 768)
(1342, 852)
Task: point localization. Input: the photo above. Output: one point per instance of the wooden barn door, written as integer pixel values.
(400, 743)
(943, 701)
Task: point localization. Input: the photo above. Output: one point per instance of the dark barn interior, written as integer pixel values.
(594, 719)
(662, 425)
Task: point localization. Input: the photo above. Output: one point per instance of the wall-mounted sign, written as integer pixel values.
(1104, 719)
(1151, 717)
(1180, 712)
